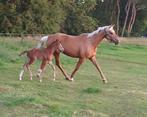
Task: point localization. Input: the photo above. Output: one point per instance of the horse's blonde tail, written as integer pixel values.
(42, 41)
(22, 53)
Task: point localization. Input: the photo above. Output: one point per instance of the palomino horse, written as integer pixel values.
(45, 55)
(82, 46)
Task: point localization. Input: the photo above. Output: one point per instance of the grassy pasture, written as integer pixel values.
(125, 95)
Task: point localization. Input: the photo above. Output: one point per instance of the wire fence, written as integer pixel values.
(22, 36)
(138, 40)
(19, 34)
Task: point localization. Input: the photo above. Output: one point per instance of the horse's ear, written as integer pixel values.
(112, 25)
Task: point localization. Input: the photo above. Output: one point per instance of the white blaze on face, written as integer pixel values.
(112, 30)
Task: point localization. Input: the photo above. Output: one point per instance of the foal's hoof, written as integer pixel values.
(20, 79)
(40, 80)
(54, 79)
(105, 81)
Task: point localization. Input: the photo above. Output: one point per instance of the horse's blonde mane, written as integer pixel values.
(42, 41)
(97, 31)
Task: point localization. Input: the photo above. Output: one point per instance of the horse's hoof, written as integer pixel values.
(54, 79)
(69, 79)
(40, 80)
(20, 79)
(105, 81)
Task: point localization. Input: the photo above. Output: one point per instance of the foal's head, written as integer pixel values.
(111, 35)
(57, 46)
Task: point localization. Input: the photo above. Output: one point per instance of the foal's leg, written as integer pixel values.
(54, 69)
(22, 71)
(81, 60)
(44, 62)
(26, 65)
(28, 68)
(59, 66)
(93, 60)
(21, 74)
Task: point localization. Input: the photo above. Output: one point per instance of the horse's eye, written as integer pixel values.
(111, 33)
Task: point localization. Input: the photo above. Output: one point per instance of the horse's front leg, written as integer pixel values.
(93, 60)
(81, 60)
(57, 60)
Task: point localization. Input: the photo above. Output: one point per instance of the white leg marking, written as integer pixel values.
(54, 69)
(39, 74)
(21, 74)
(30, 74)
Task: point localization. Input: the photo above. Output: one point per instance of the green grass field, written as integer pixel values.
(125, 95)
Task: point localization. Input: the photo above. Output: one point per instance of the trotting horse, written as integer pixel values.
(45, 55)
(82, 46)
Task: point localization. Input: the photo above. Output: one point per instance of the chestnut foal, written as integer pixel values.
(45, 55)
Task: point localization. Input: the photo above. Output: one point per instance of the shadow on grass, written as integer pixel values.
(16, 101)
(92, 90)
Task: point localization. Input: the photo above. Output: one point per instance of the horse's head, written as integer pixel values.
(111, 35)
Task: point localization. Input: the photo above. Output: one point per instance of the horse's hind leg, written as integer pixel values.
(59, 66)
(81, 60)
(54, 69)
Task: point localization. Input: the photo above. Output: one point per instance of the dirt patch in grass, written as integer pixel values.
(88, 113)
(137, 41)
(3, 89)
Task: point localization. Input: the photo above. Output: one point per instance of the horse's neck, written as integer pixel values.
(97, 38)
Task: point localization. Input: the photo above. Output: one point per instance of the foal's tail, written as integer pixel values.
(22, 53)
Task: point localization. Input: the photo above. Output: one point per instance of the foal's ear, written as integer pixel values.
(57, 40)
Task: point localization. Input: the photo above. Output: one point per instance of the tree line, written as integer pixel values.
(73, 16)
